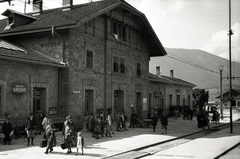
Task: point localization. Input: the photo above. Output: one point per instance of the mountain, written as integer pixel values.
(198, 67)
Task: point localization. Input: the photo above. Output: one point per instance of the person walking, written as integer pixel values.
(123, 121)
(90, 123)
(101, 117)
(118, 123)
(45, 121)
(133, 119)
(30, 128)
(68, 137)
(7, 129)
(80, 142)
(51, 137)
(154, 121)
(164, 122)
(108, 126)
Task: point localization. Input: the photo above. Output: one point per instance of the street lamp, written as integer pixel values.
(221, 95)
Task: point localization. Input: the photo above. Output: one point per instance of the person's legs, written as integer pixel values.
(32, 140)
(46, 152)
(77, 152)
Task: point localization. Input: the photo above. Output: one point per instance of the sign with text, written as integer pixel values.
(144, 104)
(52, 111)
(19, 88)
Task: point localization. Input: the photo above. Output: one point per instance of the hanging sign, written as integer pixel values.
(19, 88)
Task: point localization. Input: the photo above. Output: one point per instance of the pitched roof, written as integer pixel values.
(78, 15)
(169, 80)
(13, 52)
(226, 92)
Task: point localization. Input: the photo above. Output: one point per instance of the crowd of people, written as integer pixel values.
(99, 125)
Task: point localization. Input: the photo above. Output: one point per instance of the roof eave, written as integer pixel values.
(150, 28)
(36, 30)
(32, 61)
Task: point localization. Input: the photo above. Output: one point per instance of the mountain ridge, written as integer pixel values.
(198, 67)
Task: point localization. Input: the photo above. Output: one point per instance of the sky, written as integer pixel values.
(188, 24)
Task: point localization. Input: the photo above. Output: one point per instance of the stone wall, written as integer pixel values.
(20, 105)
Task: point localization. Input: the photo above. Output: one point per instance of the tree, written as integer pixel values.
(200, 97)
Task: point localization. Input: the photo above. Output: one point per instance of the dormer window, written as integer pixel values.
(10, 20)
(16, 19)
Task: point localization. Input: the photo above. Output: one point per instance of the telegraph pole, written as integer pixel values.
(230, 68)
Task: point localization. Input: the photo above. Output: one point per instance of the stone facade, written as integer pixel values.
(107, 59)
(32, 76)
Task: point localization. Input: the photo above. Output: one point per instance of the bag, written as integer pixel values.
(43, 143)
(11, 134)
(63, 146)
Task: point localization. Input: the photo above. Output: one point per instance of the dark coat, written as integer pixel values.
(51, 138)
(68, 137)
(154, 120)
(30, 124)
(6, 128)
(164, 121)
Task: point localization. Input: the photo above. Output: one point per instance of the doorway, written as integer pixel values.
(139, 104)
(39, 100)
(118, 102)
(89, 102)
(178, 100)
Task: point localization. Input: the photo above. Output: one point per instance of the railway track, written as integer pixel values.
(157, 147)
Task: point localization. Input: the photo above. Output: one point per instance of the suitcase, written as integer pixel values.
(63, 146)
(43, 143)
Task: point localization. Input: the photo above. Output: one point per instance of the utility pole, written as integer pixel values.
(221, 94)
(230, 68)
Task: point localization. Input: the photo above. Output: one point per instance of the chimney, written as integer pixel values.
(37, 6)
(158, 73)
(67, 3)
(171, 73)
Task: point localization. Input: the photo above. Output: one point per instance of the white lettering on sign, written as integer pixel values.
(19, 88)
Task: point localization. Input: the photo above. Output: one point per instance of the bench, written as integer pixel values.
(147, 122)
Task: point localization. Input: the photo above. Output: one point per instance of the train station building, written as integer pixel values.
(82, 59)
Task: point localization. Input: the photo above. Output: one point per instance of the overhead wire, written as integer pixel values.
(83, 30)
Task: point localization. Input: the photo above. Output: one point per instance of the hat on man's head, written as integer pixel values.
(69, 117)
(31, 114)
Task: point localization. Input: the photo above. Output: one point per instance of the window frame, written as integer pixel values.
(121, 30)
(91, 64)
(138, 69)
(119, 64)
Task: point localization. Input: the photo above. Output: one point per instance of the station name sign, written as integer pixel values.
(19, 88)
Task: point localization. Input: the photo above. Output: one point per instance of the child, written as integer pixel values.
(108, 126)
(80, 142)
(164, 122)
(51, 138)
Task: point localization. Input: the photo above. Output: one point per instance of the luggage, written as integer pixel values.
(63, 146)
(43, 143)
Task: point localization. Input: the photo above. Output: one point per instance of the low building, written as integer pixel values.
(169, 92)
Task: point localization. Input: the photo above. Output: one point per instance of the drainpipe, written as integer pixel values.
(105, 65)
(60, 71)
(59, 89)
